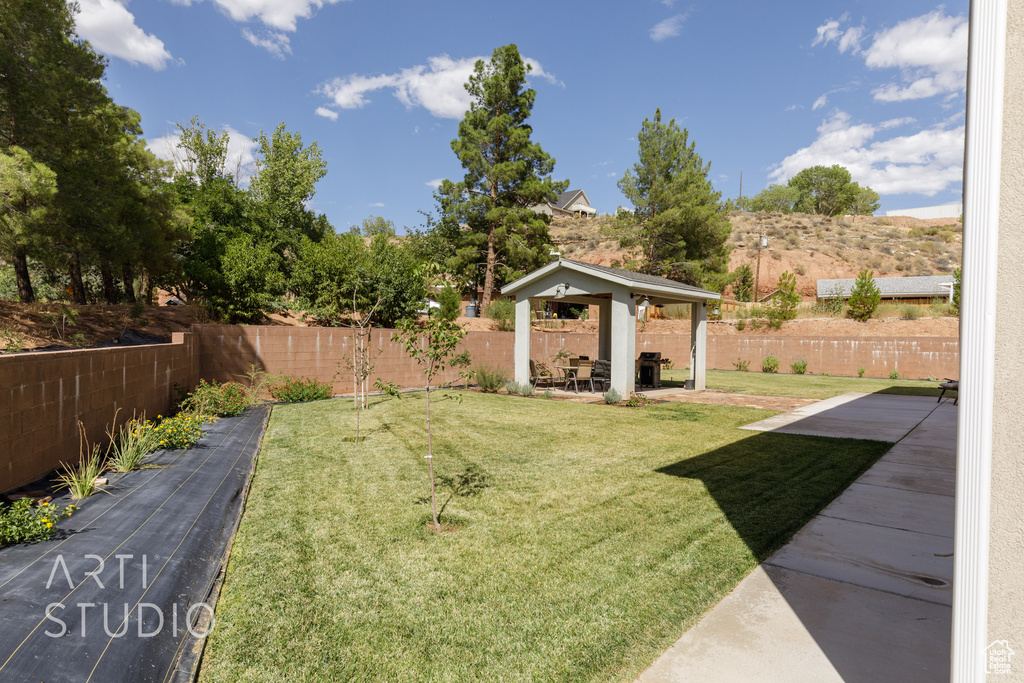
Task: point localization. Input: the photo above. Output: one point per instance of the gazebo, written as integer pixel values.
(617, 293)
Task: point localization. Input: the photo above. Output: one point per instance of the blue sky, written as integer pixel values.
(766, 88)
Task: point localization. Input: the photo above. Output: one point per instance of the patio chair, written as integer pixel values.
(602, 374)
(570, 372)
(950, 385)
(583, 374)
(538, 375)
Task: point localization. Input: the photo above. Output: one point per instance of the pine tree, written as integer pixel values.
(865, 296)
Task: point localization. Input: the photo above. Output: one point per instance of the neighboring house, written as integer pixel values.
(943, 211)
(571, 203)
(916, 290)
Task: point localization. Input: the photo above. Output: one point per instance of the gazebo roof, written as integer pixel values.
(645, 284)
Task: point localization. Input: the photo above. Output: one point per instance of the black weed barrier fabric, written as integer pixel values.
(149, 548)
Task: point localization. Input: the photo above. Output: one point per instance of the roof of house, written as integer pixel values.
(625, 277)
(920, 286)
(566, 199)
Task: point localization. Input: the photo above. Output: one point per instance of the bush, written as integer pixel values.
(216, 400)
(503, 313)
(799, 366)
(526, 389)
(864, 297)
(178, 432)
(785, 300)
(741, 324)
(300, 390)
(131, 443)
(611, 396)
(770, 364)
(910, 312)
(451, 303)
(490, 380)
(741, 365)
(861, 370)
(512, 387)
(23, 522)
(894, 374)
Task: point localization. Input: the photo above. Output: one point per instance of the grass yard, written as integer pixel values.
(606, 533)
(802, 386)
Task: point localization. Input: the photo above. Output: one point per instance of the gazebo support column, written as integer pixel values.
(522, 352)
(698, 344)
(623, 348)
(604, 330)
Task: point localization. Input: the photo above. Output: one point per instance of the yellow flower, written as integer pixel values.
(49, 524)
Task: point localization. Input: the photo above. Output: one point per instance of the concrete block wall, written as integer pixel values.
(43, 396)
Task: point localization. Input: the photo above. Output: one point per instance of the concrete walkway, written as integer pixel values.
(863, 591)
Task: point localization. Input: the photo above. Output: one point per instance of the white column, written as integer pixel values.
(604, 330)
(522, 352)
(698, 344)
(623, 343)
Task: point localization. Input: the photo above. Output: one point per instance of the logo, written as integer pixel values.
(998, 656)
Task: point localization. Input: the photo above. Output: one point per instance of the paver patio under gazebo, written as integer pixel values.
(616, 293)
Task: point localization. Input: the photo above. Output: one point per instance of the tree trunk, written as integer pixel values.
(77, 285)
(489, 272)
(20, 262)
(146, 288)
(110, 293)
(128, 281)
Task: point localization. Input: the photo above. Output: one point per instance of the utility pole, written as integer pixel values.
(762, 242)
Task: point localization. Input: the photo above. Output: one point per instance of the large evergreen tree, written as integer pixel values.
(678, 219)
(489, 213)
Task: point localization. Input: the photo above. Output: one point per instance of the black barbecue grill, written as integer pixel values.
(650, 369)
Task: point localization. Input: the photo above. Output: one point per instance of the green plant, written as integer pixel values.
(864, 297)
(741, 365)
(770, 364)
(130, 443)
(216, 400)
(451, 302)
(798, 366)
(80, 479)
(612, 396)
(910, 312)
(785, 300)
(300, 390)
(65, 317)
(548, 393)
(22, 522)
(258, 380)
(388, 388)
(861, 370)
(179, 431)
(490, 379)
(637, 400)
(893, 374)
(741, 324)
(512, 387)
(503, 313)
(955, 298)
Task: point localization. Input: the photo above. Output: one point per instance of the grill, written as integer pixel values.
(650, 369)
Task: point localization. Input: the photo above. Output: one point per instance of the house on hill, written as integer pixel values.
(571, 203)
(912, 290)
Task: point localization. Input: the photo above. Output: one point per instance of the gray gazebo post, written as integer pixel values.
(698, 343)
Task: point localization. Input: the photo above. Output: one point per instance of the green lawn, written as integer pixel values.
(802, 386)
(605, 534)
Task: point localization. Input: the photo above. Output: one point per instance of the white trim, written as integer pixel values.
(683, 293)
(983, 152)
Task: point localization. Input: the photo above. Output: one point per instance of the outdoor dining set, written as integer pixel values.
(595, 374)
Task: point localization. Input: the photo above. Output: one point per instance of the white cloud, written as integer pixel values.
(667, 28)
(832, 31)
(111, 29)
(377, 205)
(895, 123)
(794, 107)
(278, 14)
(326, 113)
(926, 162)
(274, 42)
(819, 103)
(435, 183)
(437, 86)
(240, 162)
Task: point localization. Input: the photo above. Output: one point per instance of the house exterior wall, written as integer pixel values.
(1006, 535)
(924, 212)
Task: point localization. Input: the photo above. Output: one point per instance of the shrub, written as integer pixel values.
(798, 366)
(786, 299)
(741, 324)
(131, 443)
(549, 394)
(526, 389)
(503, 313)
(512, 387)
(861, 370)
(910, 312)
(611, 396)
(490, 379)
(893, 374)
(864, 297)
(300, 390)
(23, 522)
(179, 431)
(216, 400)
(80, 479)
(451, 303)
(741, 365)
(770, 364)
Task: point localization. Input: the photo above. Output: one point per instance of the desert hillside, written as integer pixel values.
(812, 247)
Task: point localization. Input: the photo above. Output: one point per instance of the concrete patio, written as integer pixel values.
(863, 591)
